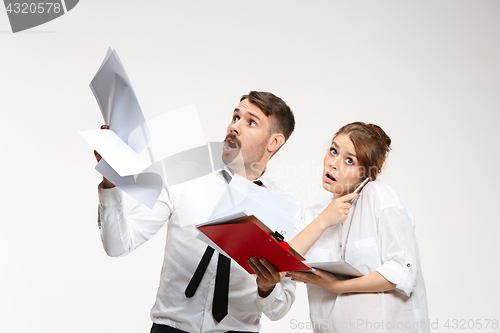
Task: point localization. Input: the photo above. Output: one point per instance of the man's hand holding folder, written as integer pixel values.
(267, 275)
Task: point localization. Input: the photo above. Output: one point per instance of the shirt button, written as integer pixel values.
(209, 309)
(408, 265)
(266, 309)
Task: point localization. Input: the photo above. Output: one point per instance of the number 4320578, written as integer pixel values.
(470, 324)
(32, 8)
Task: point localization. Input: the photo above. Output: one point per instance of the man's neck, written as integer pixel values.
(248, 174)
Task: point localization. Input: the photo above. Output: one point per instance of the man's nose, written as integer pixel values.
(235, 127)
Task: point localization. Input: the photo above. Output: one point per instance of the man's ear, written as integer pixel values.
(276, 140)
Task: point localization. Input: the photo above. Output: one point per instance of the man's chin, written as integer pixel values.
(229, 156)
(233, 160)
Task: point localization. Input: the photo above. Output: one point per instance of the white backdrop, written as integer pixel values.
(428, 72)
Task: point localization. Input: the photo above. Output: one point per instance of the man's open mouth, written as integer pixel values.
(231, 144)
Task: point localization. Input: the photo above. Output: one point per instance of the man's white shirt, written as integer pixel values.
(181, 206)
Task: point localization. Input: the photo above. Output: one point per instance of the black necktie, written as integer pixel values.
(221, 291)
(258, 182)
(198, 274)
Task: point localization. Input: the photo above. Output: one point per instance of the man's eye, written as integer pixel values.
(333, 151)
(252, 123)
(235, 119)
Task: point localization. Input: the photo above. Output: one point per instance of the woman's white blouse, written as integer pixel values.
(378, 235)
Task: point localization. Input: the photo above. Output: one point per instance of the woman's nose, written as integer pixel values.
(333, 163)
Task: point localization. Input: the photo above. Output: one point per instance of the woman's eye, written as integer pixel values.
(333, 151)
(349, 161)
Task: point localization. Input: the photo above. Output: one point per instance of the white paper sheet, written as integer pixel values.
(118, 103)
(244, 196)
(119, 155)
(145, 188)
(103, 83)
(174, 132)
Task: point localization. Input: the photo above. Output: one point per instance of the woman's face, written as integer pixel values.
(342, 171)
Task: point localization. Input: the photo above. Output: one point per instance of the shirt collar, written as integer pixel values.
(228, 175)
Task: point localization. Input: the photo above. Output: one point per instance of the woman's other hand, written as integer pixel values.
(319, 278)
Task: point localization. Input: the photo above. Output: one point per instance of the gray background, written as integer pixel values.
(427, 72)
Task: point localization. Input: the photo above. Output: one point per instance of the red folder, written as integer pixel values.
(247, 236)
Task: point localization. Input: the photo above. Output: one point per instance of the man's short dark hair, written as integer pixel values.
(280, 115)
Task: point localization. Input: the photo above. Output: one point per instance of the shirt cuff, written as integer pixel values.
(109, 196)
(266, 302)
(400, 275)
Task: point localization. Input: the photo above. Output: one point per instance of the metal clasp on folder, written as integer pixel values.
(279, 237)
(281, 240)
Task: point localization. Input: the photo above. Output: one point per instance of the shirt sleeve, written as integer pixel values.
(122, 233)
(277, 304)
(399, 249)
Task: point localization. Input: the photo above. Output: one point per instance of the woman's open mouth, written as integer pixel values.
(329, 178)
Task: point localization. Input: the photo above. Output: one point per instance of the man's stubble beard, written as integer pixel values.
(250, 165)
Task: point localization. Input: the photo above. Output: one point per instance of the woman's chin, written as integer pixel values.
(334, 188)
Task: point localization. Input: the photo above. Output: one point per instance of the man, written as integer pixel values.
(190, 298)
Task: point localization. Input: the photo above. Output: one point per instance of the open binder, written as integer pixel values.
(241, 237)
(244, 237)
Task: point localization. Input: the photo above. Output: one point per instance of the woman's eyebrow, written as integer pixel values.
(348, 152)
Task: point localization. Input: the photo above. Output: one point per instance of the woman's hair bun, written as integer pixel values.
(380, 132)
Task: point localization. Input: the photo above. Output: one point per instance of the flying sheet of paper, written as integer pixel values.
(174, 132)
(102, 85)
(118, 154)
(118, 103)
(176, 137)
(177, 134)
(145, 187)
(244, 196)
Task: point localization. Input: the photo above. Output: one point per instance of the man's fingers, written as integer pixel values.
(265, 269)
(258, 268)
(270, 267)
(96, 154)
(252, 266)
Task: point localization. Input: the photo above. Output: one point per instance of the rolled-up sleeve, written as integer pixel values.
(398, 246)
(122, 233)
(277, 304)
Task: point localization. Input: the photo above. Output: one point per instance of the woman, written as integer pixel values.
(375, 234)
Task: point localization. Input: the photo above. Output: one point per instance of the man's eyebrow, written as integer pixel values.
(254, 115)
(348, 153)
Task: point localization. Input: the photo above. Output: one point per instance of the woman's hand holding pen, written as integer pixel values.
(337, 211)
